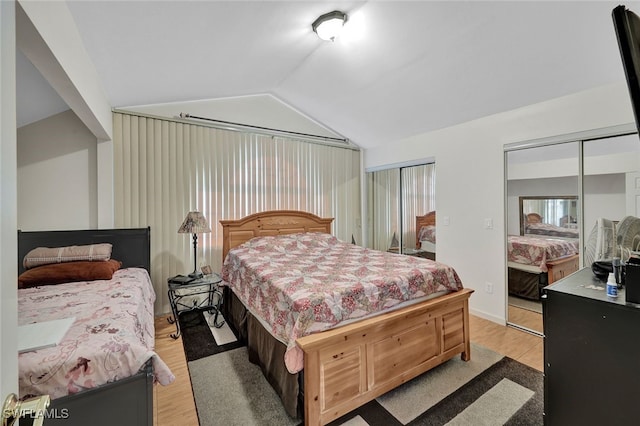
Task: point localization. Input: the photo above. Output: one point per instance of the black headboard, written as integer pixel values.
(130, 246)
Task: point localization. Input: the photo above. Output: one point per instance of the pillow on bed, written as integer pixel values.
(67, 272)
(46, 255)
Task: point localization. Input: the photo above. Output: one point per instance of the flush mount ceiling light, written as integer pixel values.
(329, 25)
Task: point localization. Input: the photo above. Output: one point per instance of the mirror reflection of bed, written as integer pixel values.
(546, 250)
(606, 182)
(426, 235)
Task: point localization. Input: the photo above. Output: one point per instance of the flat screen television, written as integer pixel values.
(627, 26)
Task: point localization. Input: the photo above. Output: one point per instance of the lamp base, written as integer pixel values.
(196, 275)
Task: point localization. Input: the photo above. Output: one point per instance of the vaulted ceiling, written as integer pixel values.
(400, 69)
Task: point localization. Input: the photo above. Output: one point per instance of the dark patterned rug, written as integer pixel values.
(488, 390)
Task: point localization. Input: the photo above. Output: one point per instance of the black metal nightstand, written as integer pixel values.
(183, 297)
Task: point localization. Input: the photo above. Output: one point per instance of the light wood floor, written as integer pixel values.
(174, 404)
(525, 318)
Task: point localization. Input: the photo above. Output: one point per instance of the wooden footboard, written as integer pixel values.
(560, 268)
(346, 367)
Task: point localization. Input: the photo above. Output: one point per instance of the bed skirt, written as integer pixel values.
(526, 284)
(267, 352)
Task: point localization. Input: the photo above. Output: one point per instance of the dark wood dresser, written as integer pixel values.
(591, 354)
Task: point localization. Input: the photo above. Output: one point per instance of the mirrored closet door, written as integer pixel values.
(543, 226)
(401, 210)
(549, 197)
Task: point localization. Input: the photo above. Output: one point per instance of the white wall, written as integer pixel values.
(8, 234)
(604, 196)
(57, 174)
(470, 184)
(263, 110)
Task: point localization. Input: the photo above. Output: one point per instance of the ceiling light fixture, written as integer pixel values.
(329, 25)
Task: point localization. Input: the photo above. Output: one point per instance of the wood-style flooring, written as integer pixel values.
(525, 318)
(174, 405)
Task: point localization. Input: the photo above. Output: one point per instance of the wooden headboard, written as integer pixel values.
(426, 220)
(129, 246)
(534, 218)
(274, 222)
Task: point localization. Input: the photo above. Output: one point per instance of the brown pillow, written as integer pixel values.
(46, 255)
(58, 273)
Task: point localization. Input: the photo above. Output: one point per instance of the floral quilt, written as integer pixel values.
(305, 283)
(537, 251)
(427, 233)
(552, 230)
(111, 338)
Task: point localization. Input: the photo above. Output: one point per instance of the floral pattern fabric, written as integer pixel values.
(111, 338)
(552, 230)
(427, 233)
(537, 251)
(305, 283)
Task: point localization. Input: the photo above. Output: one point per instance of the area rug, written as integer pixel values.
(488, 390)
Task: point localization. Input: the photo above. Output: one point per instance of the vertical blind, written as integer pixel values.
(383, 203)
(165, 168)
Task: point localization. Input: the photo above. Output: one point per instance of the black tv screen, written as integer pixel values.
(627, 26)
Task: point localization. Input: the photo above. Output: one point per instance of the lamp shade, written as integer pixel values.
(194, 223)
(329, 25)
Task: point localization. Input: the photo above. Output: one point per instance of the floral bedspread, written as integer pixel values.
(537, 251)
(305, 283)
(427, 233)
(111, 338)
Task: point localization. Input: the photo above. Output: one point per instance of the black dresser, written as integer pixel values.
(591, 354)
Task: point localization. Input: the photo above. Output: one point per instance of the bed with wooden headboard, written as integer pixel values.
(349, 365)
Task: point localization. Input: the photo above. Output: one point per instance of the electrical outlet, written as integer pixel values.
(488, 288)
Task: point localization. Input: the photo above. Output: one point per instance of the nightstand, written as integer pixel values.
(202, 294)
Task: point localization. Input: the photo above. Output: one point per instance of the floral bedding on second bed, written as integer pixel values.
(537, 251)
(111, 338)
(305, 283)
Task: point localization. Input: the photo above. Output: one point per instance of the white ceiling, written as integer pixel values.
(403, 68)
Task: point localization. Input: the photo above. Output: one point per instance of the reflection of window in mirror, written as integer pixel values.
(384, 209)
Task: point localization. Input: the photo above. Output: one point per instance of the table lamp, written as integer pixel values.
(195, 223)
